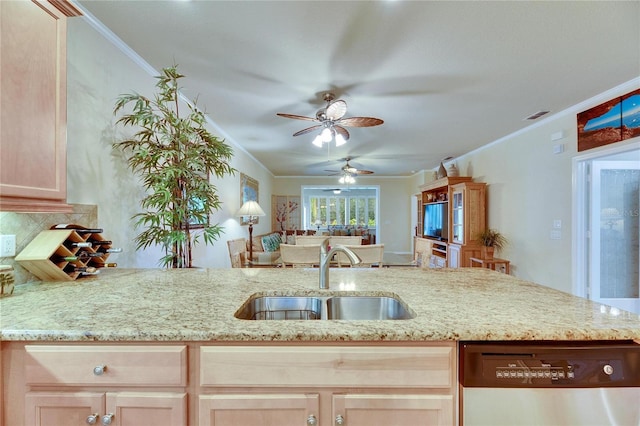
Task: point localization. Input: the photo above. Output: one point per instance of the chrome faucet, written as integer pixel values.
(325, 260)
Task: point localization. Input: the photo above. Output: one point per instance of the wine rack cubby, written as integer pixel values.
(50, 255)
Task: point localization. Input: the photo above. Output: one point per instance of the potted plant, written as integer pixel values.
(491, 240)
(175, 155)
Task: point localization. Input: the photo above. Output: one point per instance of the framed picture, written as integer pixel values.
(197, 204)
(248, 192)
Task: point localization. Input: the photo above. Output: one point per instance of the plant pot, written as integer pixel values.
(487, 252)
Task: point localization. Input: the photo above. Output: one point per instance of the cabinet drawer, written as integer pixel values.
(401, 367)
(123, 365)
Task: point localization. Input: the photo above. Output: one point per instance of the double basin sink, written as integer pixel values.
(348, 307)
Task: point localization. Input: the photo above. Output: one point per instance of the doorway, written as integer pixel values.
(607, 233)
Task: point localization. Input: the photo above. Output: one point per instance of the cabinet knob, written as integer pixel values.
(107, 419)
(311, 420)
(92, 419)
(339, 420)
(99, 370)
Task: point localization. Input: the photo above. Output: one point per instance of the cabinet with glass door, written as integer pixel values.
(468, 218)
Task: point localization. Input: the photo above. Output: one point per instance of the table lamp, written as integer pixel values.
(251, 209)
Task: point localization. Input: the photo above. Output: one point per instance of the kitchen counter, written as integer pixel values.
(199, 305)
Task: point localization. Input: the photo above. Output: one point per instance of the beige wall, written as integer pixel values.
(529, 186)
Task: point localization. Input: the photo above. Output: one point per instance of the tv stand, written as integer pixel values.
(431, 253)
(467, 218)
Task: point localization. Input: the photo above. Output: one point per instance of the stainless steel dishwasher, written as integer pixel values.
(554, 384)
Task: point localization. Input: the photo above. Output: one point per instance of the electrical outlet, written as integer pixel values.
(7, 245)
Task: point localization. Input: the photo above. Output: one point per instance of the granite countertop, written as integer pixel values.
(199, 305)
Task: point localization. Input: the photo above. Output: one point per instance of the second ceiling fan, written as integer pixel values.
(349, 169)
(332, 121)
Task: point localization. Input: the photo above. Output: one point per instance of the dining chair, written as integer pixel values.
(237, 252)
(297, 255)
(345, 240)
(308, 240)
(370, 256)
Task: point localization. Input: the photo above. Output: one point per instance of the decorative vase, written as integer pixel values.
(453, 170)
(442, 172)
(487, 252)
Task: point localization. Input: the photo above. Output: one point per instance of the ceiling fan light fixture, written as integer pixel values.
(347, 179)
(317, 141)
(340, 140)
(326, 135)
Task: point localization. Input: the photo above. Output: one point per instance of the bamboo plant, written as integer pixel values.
(175, 155)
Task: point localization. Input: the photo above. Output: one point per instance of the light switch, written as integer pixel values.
(557, 224)
(7, 245)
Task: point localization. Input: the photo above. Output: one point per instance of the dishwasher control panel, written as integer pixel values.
(506, 364)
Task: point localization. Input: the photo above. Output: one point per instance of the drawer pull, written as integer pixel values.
(92, 419)
(99, 370)
(107, 419)
(311, 420)
(339, 420)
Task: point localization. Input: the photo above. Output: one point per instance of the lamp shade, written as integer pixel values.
(250, 208)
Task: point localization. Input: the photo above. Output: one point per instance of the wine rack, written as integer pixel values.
(45, 256)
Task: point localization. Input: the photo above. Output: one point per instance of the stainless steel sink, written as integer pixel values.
(281, 308)
(366, 308)
(353, 307)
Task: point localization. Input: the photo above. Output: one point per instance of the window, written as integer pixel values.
(353, 209)
(335, 211)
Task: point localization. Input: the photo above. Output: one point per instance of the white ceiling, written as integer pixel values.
(446, 77)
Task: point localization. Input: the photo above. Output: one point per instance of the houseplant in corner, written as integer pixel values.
(491, 240)
(175, 156)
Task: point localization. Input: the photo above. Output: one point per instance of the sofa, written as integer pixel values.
(266, 242)
(271, 242)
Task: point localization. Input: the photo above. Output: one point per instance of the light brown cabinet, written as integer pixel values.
(230, 384)
(71, 384)
(466, 217)
(108, 408)
(33, 111)
(327, 385)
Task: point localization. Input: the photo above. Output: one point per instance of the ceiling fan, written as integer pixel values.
(332, 121)
(337, 190)
(349, 170)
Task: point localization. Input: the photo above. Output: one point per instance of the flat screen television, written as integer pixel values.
(436, 220)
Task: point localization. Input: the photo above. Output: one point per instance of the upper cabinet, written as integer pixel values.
(33, 105)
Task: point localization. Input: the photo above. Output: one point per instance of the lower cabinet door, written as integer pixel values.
(63, 408)
(278, 409)
(100, 408)
(392, 410)
(146, 408)
(455, 259)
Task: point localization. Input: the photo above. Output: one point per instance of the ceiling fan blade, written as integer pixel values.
(336, 110)
(296, 117)
(348, 168)
(307, 130)
(342, 131)
(360, 121)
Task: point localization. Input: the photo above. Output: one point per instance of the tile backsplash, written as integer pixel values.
(26, 226)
